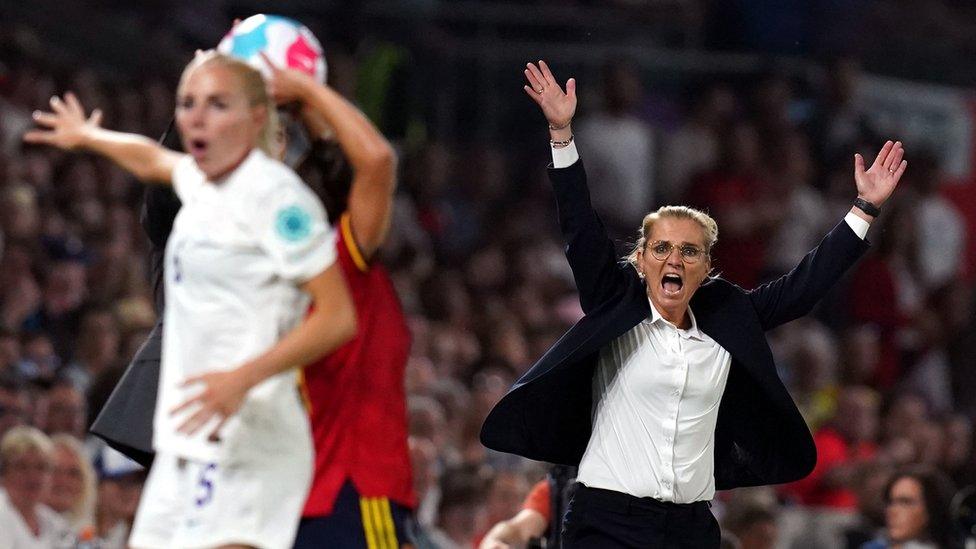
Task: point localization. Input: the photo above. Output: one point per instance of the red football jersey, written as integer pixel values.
(356, 397)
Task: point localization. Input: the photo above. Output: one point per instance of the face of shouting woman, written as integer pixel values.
(674, 264)
(218, 123)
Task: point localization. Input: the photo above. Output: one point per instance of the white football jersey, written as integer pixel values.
(238, 252)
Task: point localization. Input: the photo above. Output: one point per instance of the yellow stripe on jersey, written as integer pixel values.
(388, 527)
(345, 225)
(303, 390)
(368, 529)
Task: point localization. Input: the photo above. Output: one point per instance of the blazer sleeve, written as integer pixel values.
(795, 293)
(591, 254)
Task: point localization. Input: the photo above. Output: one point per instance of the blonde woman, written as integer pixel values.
(232, 441)
(26, 463)
(73, 489)
(666, 390)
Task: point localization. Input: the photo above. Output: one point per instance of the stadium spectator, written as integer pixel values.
(73, 491)
(917, 512)
(26, 462)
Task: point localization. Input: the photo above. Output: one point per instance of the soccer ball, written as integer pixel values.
(286, 42)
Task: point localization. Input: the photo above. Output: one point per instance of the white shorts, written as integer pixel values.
(190, 504)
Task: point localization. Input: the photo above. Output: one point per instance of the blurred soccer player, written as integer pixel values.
(362, 492)
(233, 446)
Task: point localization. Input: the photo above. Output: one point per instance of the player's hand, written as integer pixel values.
(878, 182)
(66, 126)
(557, 106)
(287, 85)
(220, 396)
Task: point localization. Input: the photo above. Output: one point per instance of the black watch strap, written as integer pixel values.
(867, 207)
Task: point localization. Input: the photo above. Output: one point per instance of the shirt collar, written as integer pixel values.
(692, 332)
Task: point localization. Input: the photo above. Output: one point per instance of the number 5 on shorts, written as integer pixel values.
(205, 486)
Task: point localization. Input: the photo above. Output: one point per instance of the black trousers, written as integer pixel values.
(606, 519)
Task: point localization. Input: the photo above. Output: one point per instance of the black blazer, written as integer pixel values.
(760, 437)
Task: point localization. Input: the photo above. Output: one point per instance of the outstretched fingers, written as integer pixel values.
(537, 75)
(46, 119)
(547, 74)
(39, 137)
(74, 106)
(534, 81)
(894, 159)
(900, 170)
(96, 117)
(883, 153)
(58, 106)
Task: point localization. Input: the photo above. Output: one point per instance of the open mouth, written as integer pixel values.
(671, 283)
(197, 146)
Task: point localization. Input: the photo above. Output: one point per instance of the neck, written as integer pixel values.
(219, 177)
(677, 315)
(682, 320)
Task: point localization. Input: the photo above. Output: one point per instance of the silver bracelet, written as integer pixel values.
(561, 144)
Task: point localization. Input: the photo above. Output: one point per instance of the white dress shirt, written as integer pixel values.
(656, 394)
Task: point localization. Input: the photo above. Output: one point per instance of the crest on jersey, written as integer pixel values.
(293, 224)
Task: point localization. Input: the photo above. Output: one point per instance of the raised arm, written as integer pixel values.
(796, 293)
(590, 252)
(67, 128)
(370, 154)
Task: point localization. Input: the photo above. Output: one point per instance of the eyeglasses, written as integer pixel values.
(662, 249)
(903, 502)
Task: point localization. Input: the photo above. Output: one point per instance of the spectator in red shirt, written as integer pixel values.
(844, 448)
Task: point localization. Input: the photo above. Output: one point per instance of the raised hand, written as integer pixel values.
(287, 85)
(66, 127)
(878, 182)
(557, 106)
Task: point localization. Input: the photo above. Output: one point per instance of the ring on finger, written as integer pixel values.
(539, 90)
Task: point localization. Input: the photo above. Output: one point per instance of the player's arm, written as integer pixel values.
(516, 531)
(331, 323)
(67, 128)
(370, 154)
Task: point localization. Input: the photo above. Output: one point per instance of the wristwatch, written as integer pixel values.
(867, 207)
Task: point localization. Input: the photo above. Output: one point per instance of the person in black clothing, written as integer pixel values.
(666, 390)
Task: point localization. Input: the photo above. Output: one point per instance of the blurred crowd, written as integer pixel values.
(883, 371)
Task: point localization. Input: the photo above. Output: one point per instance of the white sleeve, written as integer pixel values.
(294, 231)
(187, 178)
(858, 225)
(564, 157)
